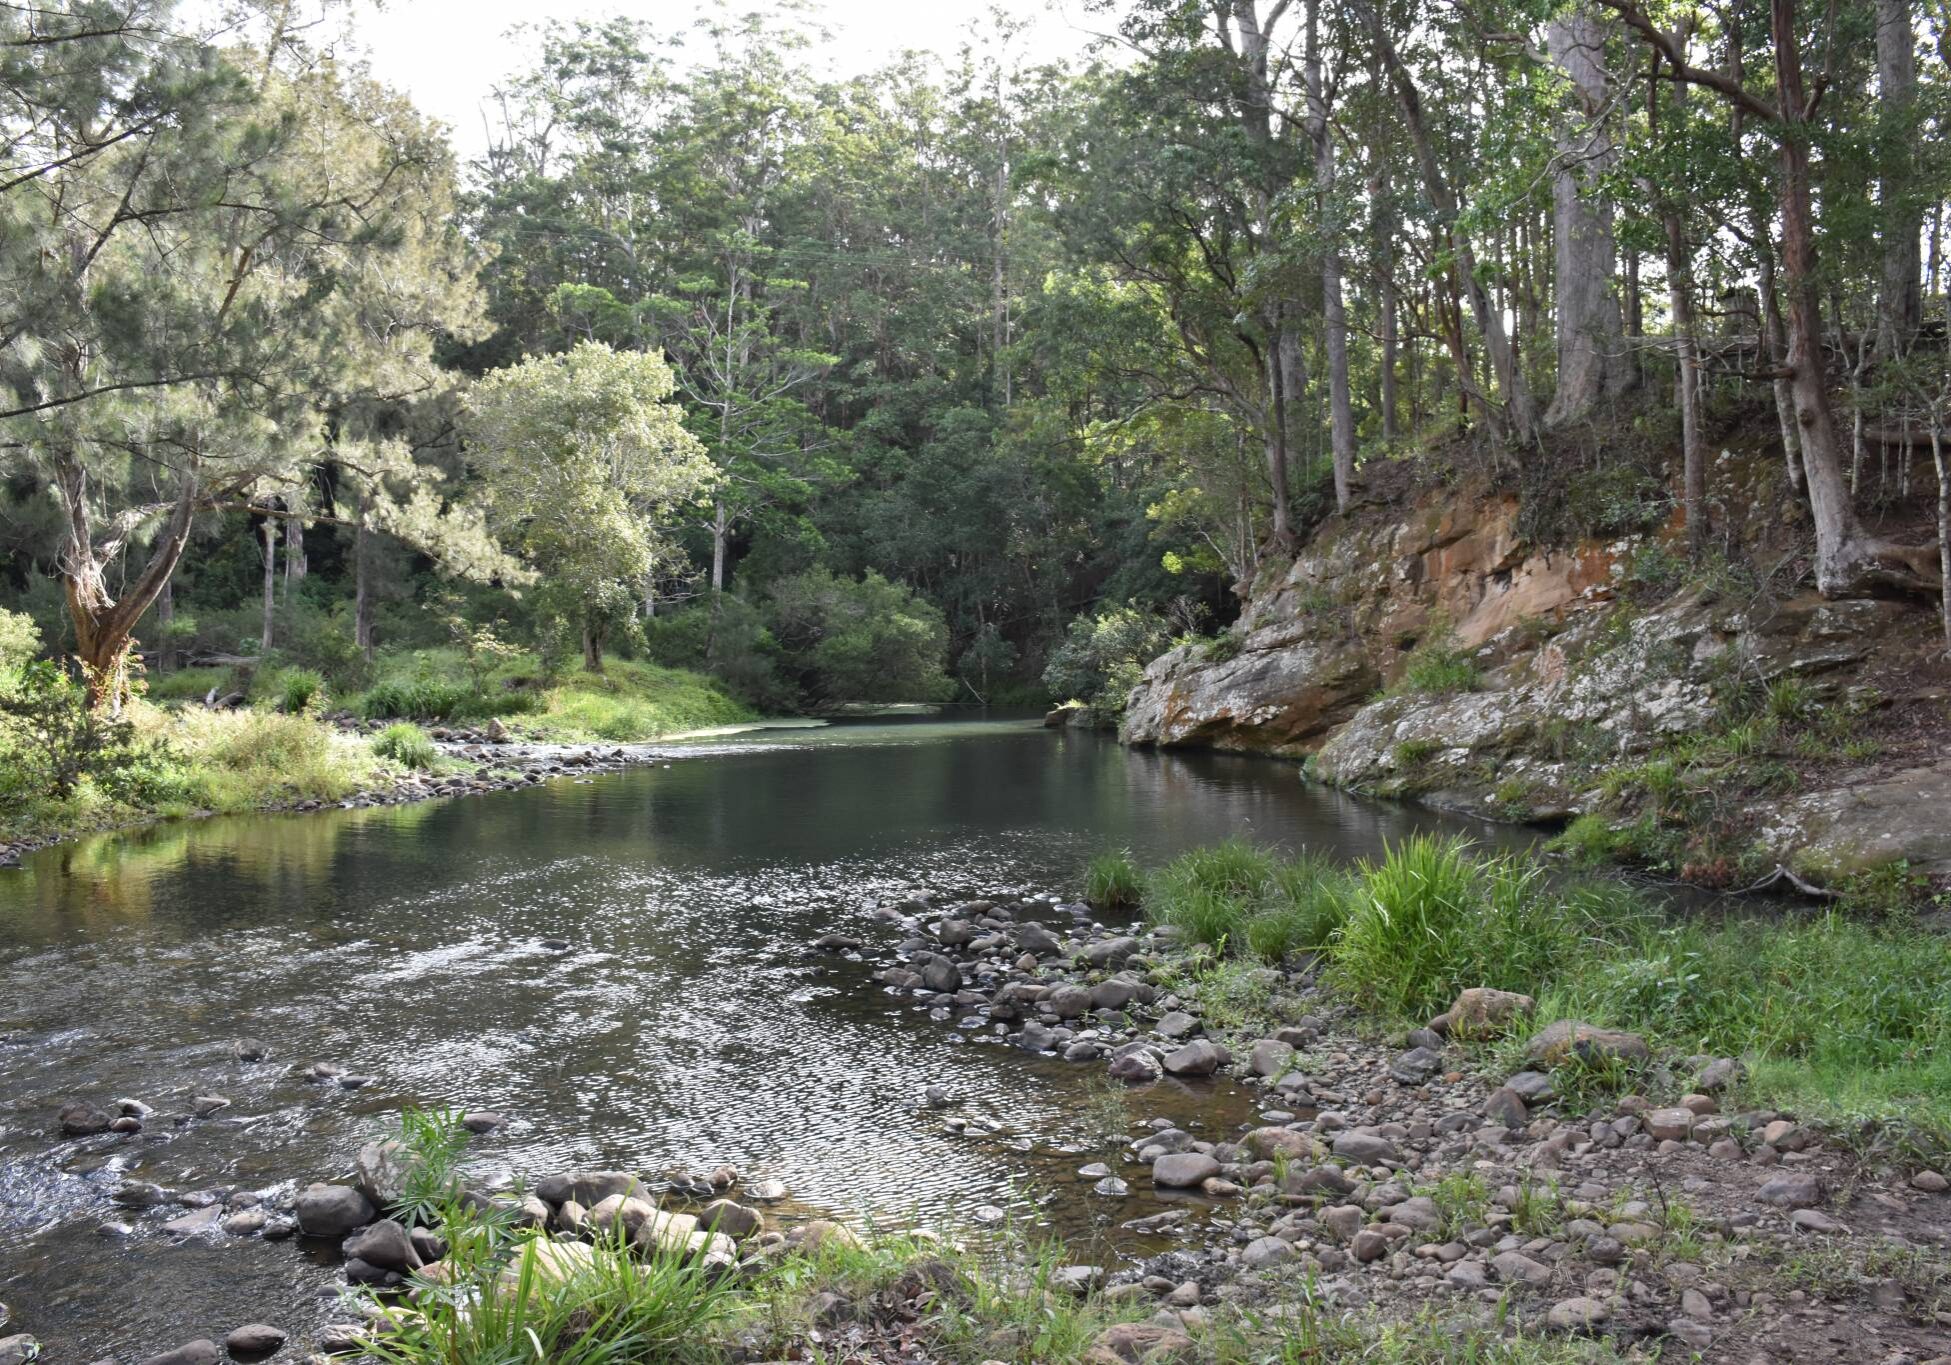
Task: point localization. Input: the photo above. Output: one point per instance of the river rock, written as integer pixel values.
(200, 1352)
(1366, 1148)
(940, 975)
(194, 1222)
(1262, 1253)
(1110, 952)
(1200, 1057)
(384, 1244)
(244, 1222)
(1557, 1042)
(203, 1106)
(766, 1191)
(1576, 1315)
(82, 1119)
(1137, 1067)
(1183, 1170)
(1480, 1012)
(1175, 1024)
(1111, 1187)
(331, 1210)
(1514, 1267)
(1415, 1066)
(588, 1188)
(1506, 1107)
(1034, 938)
(735, 1220)
(254, 1339)
(379, 1172)
(250, 1049)
(1113, 994)
(1669, 1125)
(1792, 1190)
(1267, 1143)
(1069, 1002)
(1270, 1058)
(479, 1121)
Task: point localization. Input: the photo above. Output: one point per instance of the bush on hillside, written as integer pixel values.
(1102, 658)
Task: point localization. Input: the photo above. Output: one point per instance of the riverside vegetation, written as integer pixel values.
(1588, 1154)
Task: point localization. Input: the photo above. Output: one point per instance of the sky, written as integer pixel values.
(449, 54)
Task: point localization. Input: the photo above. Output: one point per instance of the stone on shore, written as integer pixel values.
(331, 1210)
(1183, 1170)
(256, 1338)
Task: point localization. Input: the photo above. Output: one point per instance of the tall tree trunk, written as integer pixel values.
(362, 596)
(269, 530)
(720, 535)
(1900, 301)
(165, 614)
(592, 648)
(1341, 410)
(1774, 348)
(1592, 364)
(1679, 283)
(296, 566)
(1389, 309)
(1843, 561)
(999, 303)
(1943, 525)
(1285, 350)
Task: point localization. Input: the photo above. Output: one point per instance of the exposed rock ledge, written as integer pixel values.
(1572, 680)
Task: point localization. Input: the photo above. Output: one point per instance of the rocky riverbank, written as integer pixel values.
(1716, 720)
(1569, 1185)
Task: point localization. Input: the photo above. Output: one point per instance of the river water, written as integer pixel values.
(686, 1024)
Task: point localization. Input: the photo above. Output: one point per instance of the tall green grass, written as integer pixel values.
(1251, 898)
(1113, 881)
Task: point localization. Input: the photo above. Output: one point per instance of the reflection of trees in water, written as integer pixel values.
(111, 879)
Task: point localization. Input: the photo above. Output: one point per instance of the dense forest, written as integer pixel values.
(978, 379)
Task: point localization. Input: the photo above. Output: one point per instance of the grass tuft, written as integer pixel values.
(1113, 881)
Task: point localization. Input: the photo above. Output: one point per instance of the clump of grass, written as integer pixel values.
(1430, 919)
(299, 691)
(407, 745)
(1251, 897)
(1112, 881)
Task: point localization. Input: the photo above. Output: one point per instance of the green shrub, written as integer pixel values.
(406, 744)
(437, 699)
(20, 639)
(299, 691)
(51, 738)
(870, 641)
(1102, 657)
(1249, 898)
(1113, 882)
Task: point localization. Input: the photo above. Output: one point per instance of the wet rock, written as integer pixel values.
(735, 1220)
(1792, 1190)
(429, 1245)
(1576, 1315)
(139, 1194)
(250, 1050)
(588, 1188)
(379, 1172)
(82, 1119)
(194, 1222)
(245, 1222)
(482, 1121)
(331, 1210)
(1175, 1024)
(1111, 1187)
(200, 1352)
(767, 1191)
(344, 1338)
(366, 1273)
(1265, 1144)
(384, 1244)
(1200, 1057)
(254, 1339)
(1139, 1067)
(1183, 1170)
(125, 1124)
(1565, 1038)
(1034, 938)
(19, 1349)
(940, 975)
(203, 1106)
(1069, 1002)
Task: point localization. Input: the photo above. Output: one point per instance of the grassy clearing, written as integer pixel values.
(628, 701)
(1841, 1018)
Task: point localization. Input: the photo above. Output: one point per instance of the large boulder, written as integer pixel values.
(1183, 1170)
(82, 1119)
(1481, 1012)
(379, 1172)
(1201, 1057)
(1267, 1143)
(332, 1210)
(385, 1244)
(588, 1188)
(1278, 695)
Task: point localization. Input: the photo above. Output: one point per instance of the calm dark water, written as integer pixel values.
(688, 1024)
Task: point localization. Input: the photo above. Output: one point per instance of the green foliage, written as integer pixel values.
(870, 640)
(20, 640)
(52, 739)
(1430, 919)
(407, 745)
(1241, 895)
(429, 698)
(1656, 569)
(1438, 666)
(1102, 656)
(431, 1144)
(298, 691)
(1112, 881)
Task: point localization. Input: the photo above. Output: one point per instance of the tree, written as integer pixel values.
(195, 218)
(586, 465)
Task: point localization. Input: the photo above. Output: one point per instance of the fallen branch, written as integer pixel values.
(1782, 874)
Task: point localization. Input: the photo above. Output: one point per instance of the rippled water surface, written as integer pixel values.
(687, 1023)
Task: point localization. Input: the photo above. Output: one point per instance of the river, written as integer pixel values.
(686, 1023)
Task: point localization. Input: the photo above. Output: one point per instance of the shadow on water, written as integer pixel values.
(686, 1024)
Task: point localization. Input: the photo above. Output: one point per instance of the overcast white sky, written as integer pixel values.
(448, 54)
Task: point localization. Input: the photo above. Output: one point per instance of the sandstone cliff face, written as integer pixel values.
(1574, 683)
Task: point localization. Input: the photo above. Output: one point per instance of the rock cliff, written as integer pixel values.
(1719, 722)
